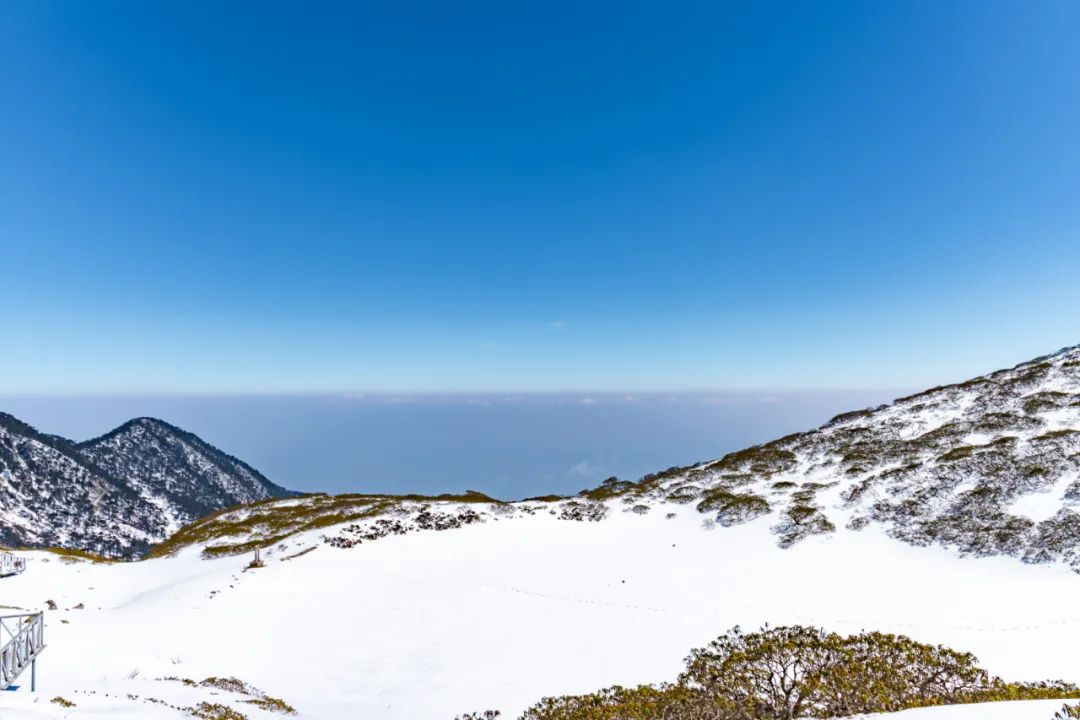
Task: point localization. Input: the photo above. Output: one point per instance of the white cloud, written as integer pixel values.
(584, 468)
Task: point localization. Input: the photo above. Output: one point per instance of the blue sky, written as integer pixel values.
(261, 197)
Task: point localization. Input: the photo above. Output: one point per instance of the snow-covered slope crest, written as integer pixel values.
(118, 494)
(427, 625)
(990, 466)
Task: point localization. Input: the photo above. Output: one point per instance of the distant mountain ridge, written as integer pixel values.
(989, 466)
(117, 494)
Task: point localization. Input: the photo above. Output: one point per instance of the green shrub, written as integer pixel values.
(611, 488)
(273, 704)
(800, 522)
(760, 459)
(957, 453)
(800, 672)
(849, 416)
(215, 711)
(667, 702)
(733, 508)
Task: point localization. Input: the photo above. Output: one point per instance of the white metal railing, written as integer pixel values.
(22, 638)
(11, 564)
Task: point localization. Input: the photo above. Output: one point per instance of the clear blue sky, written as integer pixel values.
(251, 197)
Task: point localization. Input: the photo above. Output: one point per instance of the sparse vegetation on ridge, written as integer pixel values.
(611, 488)
(74, 555)
(235, 686)
(215, 711)
(269, 522)
(272, 704)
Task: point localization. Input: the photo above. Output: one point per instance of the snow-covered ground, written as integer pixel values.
(987, 711)
(496, 615)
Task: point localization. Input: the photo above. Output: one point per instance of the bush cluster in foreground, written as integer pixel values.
(786, 673)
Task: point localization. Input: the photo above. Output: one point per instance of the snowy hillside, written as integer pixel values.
(118, 494)
(427, 625)
(989, 466)
(424, 608)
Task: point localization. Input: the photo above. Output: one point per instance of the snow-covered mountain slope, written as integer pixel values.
(50, 495)
(428, 625)
(177, 471)
(118, 494)
(424, 608)
(990, 466)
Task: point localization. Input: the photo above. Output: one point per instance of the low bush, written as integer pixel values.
(272, 704)
(794, 672)
(215, 711)
(733, 508)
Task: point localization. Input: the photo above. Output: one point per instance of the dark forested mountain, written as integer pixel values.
(117, 494)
